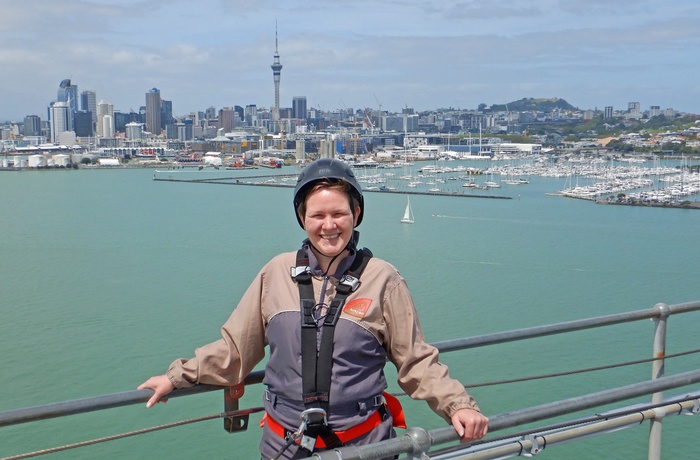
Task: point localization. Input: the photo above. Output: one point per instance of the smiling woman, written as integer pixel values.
(338, 318)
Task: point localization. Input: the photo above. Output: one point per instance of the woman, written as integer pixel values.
(332, 315)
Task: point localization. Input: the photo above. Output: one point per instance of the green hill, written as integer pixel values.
(538, 104)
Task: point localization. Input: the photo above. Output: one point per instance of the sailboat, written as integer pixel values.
(408, 213)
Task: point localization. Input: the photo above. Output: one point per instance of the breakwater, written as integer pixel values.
(271, 181)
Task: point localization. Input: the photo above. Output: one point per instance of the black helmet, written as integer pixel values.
(326, 168)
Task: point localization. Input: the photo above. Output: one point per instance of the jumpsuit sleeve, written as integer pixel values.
(420, 373)
(228, 360)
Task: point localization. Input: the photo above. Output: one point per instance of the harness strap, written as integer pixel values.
(317, 362)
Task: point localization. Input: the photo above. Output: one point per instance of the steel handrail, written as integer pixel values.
(47, 411)
(420, 440)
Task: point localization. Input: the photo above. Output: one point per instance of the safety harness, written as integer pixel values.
(316, 363)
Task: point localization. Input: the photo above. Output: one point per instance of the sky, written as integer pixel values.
(357, 54)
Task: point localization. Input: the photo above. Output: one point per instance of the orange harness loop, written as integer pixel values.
(392, 404)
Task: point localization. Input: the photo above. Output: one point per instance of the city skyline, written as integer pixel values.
(423, 55)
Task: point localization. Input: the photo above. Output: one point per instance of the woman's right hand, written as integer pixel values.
(161, 386)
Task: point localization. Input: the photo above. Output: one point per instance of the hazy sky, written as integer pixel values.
(354, 53)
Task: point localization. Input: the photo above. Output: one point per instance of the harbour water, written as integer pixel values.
(107, 276)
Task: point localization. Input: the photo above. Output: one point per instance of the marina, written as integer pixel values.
(658, 183)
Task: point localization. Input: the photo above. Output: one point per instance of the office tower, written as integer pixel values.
(227, 119)
(105, 110)
(88, 102)
(68, 93)
(240, 111)
(166, 113)
(153, 106)
(134, 131)
(32, 125)
(121, 120)
(299, 107)
(276, 73)
(83, 124)
(60, 119)
(251, 115)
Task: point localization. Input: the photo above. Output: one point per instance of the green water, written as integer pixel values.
(106, 276)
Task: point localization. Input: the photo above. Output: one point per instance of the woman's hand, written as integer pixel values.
(161, 386)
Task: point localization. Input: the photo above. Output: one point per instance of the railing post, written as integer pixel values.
(657, 371)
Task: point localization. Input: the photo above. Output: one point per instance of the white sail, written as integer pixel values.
(408, 213)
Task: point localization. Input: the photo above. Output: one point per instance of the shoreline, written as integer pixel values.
(651, 204)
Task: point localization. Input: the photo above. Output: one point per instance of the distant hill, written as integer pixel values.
(527, 104)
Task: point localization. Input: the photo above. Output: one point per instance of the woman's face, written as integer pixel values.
(328, 220)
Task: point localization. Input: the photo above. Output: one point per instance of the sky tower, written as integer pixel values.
(276, 72)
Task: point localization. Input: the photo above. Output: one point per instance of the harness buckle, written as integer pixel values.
(310, 417)
(314, 416)
(352, 282)
(299, 270)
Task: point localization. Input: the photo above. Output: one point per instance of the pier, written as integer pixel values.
(271, 181)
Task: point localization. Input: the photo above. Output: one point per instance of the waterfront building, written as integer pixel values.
(276, 74)
(153, 114)
(60, 119)
(88, 102)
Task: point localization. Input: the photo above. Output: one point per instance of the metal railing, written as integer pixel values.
(417, 441)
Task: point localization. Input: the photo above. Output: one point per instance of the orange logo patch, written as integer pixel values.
(358, 307)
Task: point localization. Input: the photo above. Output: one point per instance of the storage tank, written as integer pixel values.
(62, 160)
(36, 161)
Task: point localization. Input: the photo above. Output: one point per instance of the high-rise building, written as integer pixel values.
(227, 119)
(608, 112)
(251, 115)
(60, 119)
(83, 124)
(299, 107)
(88, 102)
(240, 111)
(32, 125)
(654, 111)
(68, 93)
(134, 131)
(166, 113)
(153, 114)
(105, 110)
(121, 120)
(276, 74)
